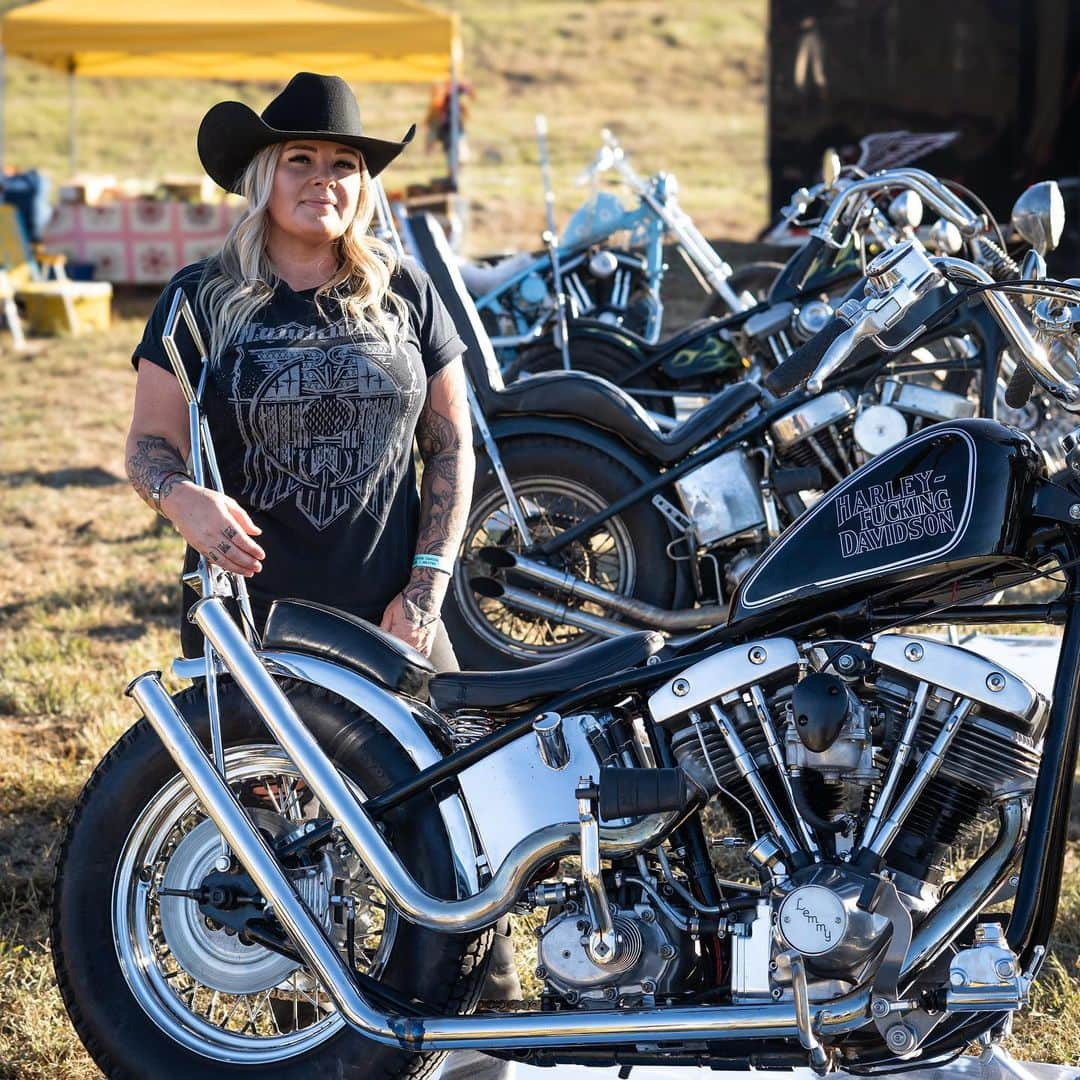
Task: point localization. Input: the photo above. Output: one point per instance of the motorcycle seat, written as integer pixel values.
(354, 643)
(595, 401)
(516, 691)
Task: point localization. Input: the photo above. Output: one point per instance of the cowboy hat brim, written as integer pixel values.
(232, 133)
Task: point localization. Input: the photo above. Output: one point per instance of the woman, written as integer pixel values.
(327, 359)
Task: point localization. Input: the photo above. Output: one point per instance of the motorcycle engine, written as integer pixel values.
(647, 959)
(836, 719)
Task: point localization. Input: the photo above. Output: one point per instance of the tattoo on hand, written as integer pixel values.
(224, 547)
(228, 533)
(421, 594)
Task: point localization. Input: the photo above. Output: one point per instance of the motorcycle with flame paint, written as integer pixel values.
(814, 835)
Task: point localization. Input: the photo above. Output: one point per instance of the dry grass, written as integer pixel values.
(89, 590)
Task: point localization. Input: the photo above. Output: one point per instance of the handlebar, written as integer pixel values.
(896, 280)
(932, 191)
(802, 363)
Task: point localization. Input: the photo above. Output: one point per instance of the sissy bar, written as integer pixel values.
(203, 457)
(208, 580)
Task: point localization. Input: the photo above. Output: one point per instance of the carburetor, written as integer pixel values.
(827, 729)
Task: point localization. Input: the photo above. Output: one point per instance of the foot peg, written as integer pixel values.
(631, 793)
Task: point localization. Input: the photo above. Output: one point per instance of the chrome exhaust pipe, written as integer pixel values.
(649, 615)
(255, 855)
(522, 1030)
(498, 1031)
(551, 609)
(940, 928)
(417, 905)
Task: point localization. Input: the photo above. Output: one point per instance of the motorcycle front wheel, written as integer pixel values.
(155, 989)
(558, 483)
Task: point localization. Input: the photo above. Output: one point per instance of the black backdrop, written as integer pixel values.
(1004, 74)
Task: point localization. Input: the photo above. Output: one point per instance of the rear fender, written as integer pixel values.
(513, 427)
(418, 730)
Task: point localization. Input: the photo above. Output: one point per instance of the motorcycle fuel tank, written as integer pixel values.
(948, 498)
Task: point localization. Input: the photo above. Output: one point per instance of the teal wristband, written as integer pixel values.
(434, 562)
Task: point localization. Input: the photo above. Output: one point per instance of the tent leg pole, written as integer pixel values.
(3, 105)
(72, 123)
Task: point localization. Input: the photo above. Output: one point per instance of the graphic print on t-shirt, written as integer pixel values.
(323, 423)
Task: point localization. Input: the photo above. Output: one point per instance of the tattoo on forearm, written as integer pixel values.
(155, 458)
(446, 487)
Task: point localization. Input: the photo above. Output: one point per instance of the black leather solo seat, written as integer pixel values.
(596, 401)
(574, 394)
(515, 691)
(301, 626)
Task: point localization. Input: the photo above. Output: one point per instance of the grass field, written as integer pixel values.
(89, 593)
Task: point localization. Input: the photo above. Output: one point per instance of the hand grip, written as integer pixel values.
(797, 269)
(800, 365)
(1021, 387)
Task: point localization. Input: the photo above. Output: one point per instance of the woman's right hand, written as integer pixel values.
(216, 526)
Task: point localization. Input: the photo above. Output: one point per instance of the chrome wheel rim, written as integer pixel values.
(550, 505)
(293, 1015)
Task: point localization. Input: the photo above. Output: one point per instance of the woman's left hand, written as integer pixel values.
(410, 624)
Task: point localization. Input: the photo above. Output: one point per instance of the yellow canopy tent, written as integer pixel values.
(360, 40)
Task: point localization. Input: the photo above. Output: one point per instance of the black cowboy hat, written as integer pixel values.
(310, 107)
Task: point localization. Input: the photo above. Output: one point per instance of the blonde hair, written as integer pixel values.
(239, 281)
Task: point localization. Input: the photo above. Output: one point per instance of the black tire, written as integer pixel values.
(444, 971)
(755, 278)
(545, 468)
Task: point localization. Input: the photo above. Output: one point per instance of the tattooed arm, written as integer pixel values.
(158, 445)
(444, 436)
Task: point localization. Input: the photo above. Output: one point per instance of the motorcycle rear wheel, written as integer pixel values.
(559, 483)
(154, 995)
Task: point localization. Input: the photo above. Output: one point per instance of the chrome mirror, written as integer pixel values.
(906, 210)
(1039, 216)
(830, 167)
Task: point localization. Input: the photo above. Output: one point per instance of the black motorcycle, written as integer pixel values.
(587, 520)
(292, 867)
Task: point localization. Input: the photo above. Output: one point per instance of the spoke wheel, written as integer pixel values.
(558, 482)
(234, 1002)
(551, 505)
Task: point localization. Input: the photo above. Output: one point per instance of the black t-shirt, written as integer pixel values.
(313, 428)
